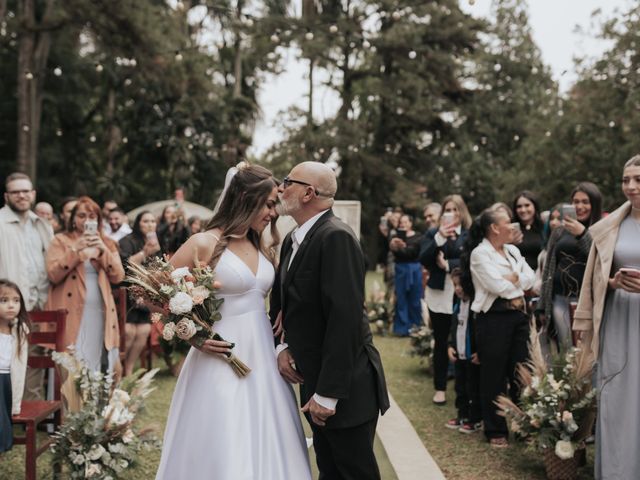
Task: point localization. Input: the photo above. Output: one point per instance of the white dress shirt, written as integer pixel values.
(487, 270)
(297, 237)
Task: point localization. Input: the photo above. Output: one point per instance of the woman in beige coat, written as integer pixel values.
(608, 317)
(81, 264)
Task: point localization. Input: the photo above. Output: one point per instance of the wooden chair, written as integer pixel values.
(120, 298)
(36, 412)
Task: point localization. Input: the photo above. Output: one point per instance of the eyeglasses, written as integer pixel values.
(287, 182)
(19, 192)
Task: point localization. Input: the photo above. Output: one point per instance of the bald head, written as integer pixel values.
(320, 176)
(44, 210)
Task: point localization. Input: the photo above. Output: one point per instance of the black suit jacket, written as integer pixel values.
(321, 296)
(429, 253)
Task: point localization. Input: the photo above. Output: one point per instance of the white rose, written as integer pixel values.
(200, 291)
(92, 469)
(180, 303)
(120, 396)
(185, 329)
(169, 331)
(564, 449)
(79, 460)
(179, 273)
(128, 436)
(96, 452)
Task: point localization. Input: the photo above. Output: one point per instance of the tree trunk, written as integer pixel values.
(310, 114)
(33, 53)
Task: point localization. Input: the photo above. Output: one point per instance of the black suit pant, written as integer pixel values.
(346, 453)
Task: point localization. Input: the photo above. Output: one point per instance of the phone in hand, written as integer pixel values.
(401, 234)
(447, 219)
(91, 227)
(151, 237)
(630, 272)
(569, 211)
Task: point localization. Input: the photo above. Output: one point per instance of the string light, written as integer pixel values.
(99, 68)
(28, 75)
(57, 71)
(178, 56)
(333, 29)
(412, 54)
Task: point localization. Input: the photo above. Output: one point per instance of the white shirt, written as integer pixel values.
(119, 234)
(297, 236)
(487, 270)
(6, 352)
(461, 330)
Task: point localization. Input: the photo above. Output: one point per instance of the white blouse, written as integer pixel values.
(487, 270)
(6, 352)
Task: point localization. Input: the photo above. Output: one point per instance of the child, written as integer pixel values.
(13, 357)
(462, 354)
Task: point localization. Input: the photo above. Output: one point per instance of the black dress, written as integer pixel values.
(531, 245)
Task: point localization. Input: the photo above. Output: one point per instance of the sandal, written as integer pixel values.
(499, 442)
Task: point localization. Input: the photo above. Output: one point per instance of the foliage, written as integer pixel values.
(422, 343)
(380, 312)
(99, 440)
(557, 403)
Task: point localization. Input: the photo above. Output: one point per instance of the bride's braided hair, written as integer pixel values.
(247, 193)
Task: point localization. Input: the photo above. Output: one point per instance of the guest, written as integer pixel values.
(607, 317)
(44, 210)
(65, 210)
(527, 215)
(195, 224)
(82, 263)
(56, 223)
(138, 247)
(553, 221)
(172, 232)
(500, 277)
(116, 228)
(503, 207)
(440, 253)
(568, 249)
(24, 239)
(14, 321)
(431, 214)
(408, 277)
(107, 206)
(462, 353)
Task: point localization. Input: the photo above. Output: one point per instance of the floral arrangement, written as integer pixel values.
(379, 311)
(422, 343)
(557, 402)
(99, 440)
(188, 296)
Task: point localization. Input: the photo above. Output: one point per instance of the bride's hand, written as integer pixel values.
(216, 347)
(277, 326)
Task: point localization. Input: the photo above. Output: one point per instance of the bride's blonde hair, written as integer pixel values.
(246, 194)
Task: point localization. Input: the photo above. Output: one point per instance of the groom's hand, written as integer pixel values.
(319, 414)
(286, 366)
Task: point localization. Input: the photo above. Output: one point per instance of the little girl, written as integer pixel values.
(13, 357)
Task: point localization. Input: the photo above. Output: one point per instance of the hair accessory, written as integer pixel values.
(227, 181)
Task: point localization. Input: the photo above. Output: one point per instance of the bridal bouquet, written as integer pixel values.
(98, 439)
(189, 298)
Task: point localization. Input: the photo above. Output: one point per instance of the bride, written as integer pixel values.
(221, 426)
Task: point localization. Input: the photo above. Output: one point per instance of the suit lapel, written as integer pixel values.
(303, 247)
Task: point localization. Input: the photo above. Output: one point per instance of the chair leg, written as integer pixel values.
(30, 460)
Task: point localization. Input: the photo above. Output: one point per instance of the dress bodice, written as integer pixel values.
(627, 253)
(241, 289)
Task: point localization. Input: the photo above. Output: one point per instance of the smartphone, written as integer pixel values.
(91, 227)
(383, 221)
(152, 237)
(516, 226)
(569, 211)
(630, 271)
(401, 234)
(447, 218)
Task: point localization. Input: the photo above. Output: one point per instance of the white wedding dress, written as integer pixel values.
(220, 426)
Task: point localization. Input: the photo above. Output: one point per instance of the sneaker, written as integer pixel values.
(499, 442)
(469, 427)
(454, 423)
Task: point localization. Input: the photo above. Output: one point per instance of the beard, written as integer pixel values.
(288, 207)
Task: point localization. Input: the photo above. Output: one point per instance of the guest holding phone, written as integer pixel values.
(607, 318)
(567, 253)
(140, 246)
(82, 263)
(529, 225)
(440, 254)
(408, 279)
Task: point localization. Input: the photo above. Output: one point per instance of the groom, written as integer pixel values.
(319, 297)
